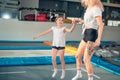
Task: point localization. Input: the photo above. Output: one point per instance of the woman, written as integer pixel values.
(92, 33)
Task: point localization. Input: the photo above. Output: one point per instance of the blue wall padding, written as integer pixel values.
(42, 60)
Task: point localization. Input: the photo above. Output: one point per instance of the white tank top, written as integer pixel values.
(89, 17)
(58, 37)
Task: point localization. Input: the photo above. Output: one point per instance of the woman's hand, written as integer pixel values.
(81, 21)
(75, 21)
(77, 55)
(97, 43)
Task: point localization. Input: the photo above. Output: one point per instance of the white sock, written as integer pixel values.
(78, 75)
(54, 73)
(90, 76)
(63, 74)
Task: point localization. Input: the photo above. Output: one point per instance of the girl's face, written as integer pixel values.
(60, 21)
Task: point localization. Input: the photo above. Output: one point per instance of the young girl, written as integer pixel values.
(92, 34)
(58, 44)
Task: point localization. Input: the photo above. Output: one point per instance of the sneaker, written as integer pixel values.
(63, 74)
(90, 78)
(54, 73)
(78, 75)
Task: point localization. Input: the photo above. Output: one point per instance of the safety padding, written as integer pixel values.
(47, 43)
(39, 60)
(71, 50)
(68, 21)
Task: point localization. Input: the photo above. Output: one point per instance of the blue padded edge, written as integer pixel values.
(46, 60)
(36, 47)
(117, 59)
(25, 47)
(22, 41)
(41, 60)
(106, 65)
(17, 41)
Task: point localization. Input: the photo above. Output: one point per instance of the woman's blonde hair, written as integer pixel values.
(98, 3)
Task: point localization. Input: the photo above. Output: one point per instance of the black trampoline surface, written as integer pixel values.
(44, 72)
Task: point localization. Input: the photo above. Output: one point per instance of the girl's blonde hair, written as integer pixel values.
(98, 3)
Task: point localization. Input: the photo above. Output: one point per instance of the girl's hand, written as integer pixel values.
(35, 37)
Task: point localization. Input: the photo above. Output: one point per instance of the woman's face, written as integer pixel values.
(87, 3)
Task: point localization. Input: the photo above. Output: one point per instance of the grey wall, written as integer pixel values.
(29, 3)
(24, 31)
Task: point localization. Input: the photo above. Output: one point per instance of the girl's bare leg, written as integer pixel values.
(54, 54)
(61, 53)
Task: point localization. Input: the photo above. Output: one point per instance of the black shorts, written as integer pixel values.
(90, 35)
(58, 48)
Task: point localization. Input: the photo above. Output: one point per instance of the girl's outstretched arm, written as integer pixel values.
(43, 33)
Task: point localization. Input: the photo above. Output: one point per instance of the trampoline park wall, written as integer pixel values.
(14, 30)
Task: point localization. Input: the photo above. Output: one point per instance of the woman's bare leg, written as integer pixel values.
(79, 55)
(87, 57)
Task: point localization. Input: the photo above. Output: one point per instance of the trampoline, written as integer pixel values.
(35, 64)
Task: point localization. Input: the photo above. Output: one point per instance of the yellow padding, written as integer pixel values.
(71, 50)
(68, 21)
(68, 49)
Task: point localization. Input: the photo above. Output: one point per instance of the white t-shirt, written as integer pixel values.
(58, 37)
(89, 17)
